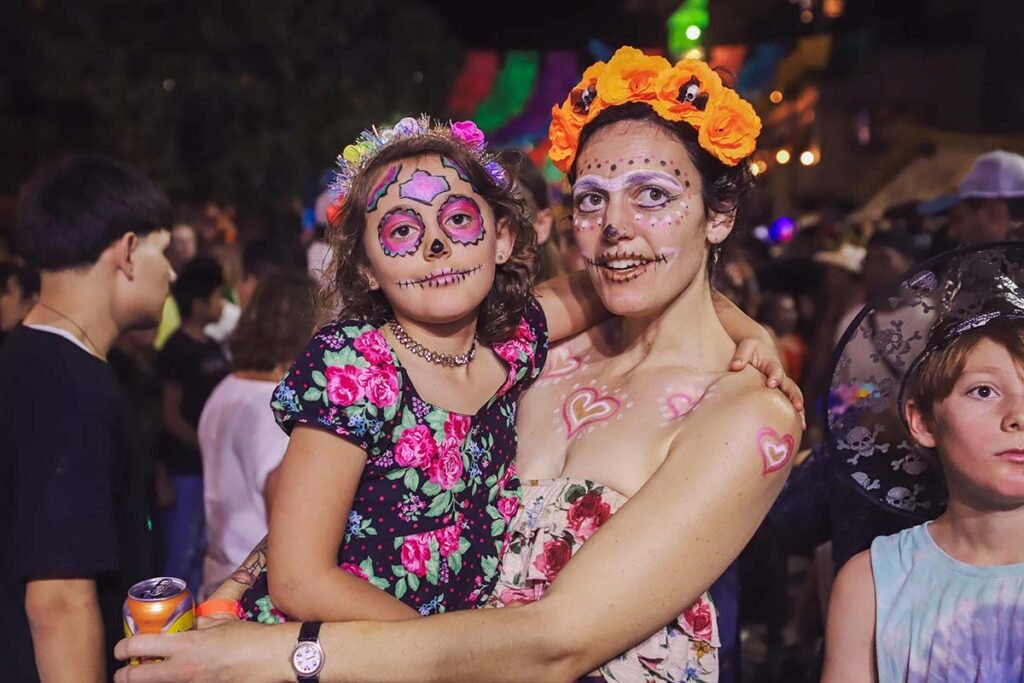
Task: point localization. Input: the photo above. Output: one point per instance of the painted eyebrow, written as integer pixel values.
(639, 177)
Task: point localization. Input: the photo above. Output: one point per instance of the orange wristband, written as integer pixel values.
(219, 606)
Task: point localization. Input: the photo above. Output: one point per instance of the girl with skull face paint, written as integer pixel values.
(940, 601)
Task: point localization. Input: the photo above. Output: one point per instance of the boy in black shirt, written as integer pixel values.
(19, 290)
(72, 501)
(191, 364)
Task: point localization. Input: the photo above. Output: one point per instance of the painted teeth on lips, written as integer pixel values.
(440, 278)
(622, 261)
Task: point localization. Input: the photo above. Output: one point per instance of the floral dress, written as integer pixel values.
(430, 516)
(555, 518)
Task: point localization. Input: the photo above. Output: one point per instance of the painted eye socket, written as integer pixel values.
(461, 220)
(653, 197)
(400, 232)
(589, 202)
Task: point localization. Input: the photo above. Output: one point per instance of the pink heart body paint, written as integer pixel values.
(562, 362)
(586, 406)
(775, 450)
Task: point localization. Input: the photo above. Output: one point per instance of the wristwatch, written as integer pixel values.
(308, 656)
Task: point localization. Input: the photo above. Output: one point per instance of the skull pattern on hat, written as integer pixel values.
(932, 305)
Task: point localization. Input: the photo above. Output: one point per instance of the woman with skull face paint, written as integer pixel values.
(941, 601)
(656, 200)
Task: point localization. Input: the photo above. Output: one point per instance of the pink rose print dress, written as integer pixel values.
(429, 519)
(554, 519)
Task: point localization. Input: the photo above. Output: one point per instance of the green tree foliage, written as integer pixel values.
(232, 101)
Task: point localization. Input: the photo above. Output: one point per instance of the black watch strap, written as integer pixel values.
(309, 632)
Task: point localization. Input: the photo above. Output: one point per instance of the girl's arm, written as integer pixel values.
(570, 305)
(755, 347)
(317, 482)
(850, 632)
(642, 568)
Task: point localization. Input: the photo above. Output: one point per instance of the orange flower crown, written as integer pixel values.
(727, 125)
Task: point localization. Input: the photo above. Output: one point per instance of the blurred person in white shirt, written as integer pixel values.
(241, 444)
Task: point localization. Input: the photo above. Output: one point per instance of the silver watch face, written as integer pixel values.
(307, 659)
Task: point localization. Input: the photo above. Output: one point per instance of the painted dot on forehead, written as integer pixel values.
(630, 162)
(677, 171)
(663, 162)
(614, 167)
(686, 182)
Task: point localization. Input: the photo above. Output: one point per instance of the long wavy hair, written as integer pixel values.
(346, 292)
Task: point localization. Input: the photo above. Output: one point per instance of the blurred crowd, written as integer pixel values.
(242, 306)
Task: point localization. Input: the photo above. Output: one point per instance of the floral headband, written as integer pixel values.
(354, 159)
(691, 91)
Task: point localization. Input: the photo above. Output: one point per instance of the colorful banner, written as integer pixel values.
(511, 90)
(758, 73)
(560, 73)
(474, 82)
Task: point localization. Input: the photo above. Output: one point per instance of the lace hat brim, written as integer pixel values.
(930, 306)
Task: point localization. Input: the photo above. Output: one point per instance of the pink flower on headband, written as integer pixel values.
(468, 132)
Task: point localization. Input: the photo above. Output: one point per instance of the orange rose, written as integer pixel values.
(730, 128)
(630, 76)
(564, 135)
(685, 90)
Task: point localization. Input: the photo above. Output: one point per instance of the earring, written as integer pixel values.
(373, 284)
(501, 258)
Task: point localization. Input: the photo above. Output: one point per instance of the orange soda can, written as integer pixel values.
(159, 605)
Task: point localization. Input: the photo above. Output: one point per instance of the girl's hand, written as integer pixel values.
(761, 355)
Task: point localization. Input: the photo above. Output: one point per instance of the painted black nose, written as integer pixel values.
(436, 247)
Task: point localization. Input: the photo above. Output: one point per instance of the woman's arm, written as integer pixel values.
(649, 562)
(570, 305)
(850, 632)
(317, 482)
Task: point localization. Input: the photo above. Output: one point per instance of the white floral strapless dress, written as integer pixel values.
(555, 518)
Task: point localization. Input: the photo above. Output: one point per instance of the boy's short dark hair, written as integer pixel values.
(200, 278)
(71, 211)
(27, 278)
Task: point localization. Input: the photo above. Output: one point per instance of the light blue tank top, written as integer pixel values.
(942, 620)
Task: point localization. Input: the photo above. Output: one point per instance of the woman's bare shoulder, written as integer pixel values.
(742, 420)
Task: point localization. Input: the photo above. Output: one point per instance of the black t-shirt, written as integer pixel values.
(198, 366)
(72, 497)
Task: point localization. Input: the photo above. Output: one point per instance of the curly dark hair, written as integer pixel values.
(276, 325)
(723, 188)
(346, 292)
